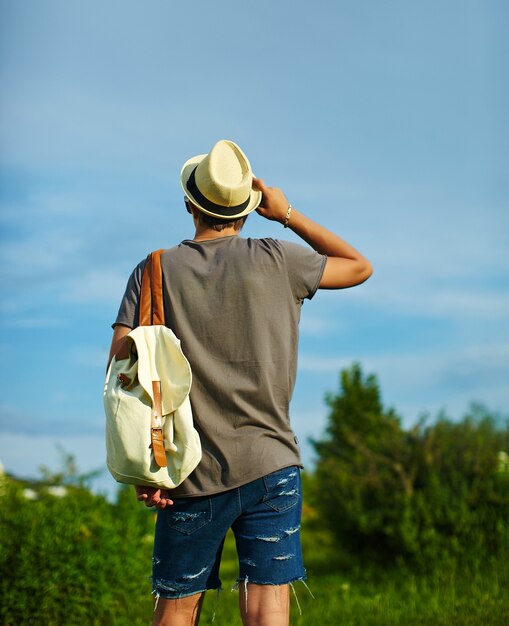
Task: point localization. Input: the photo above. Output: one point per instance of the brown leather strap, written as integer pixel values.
(156, 426)
(152, 313)
(157, 289)
(146, 294)
(151, 297)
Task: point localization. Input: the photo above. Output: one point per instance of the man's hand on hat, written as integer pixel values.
(274, 204)
(152, 496)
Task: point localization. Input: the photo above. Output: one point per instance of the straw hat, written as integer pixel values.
(220, 183)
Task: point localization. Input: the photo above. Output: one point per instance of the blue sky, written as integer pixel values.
(386, 122)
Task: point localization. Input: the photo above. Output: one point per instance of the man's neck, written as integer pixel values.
(205, 234)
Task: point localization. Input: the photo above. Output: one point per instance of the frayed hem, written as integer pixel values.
(252, 581)
(166, 595)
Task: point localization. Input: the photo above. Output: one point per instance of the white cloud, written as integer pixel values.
(39, 255)
(314, 324)
(60, 414)
(43, 204)
(414, 384)
(90, 357)
(415, 364)
(467, 302)
(79, 129)
(34, 322)
(23, 455)
(427, 381)
(425, 300)
(318, 363)
(96, 287)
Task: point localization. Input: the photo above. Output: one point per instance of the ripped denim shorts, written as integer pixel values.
(265, 518)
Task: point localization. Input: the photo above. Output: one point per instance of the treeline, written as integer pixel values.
(424, 495)
(421, 496)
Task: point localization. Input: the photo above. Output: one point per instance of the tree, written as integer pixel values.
(422, 492)
(364, 467)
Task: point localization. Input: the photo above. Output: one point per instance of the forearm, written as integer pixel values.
(320, 238)
(345, 265)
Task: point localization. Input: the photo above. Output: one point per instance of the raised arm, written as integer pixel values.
(345, 267)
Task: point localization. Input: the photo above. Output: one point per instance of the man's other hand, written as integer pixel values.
(152, 496)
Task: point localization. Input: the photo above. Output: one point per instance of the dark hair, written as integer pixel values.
(218, 224)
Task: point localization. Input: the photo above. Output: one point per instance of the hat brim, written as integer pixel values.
(185, 173)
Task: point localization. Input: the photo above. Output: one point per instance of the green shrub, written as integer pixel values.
(426, 494)
(74, 559)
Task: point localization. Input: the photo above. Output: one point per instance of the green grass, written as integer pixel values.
(365, 597)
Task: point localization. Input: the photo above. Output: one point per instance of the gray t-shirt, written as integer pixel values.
(235, 305)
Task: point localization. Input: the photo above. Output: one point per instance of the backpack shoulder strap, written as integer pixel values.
(151, 314)
(151, 298)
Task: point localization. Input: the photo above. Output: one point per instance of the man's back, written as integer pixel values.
(235, 305)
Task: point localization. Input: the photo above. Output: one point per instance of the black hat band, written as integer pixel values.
(205, 203)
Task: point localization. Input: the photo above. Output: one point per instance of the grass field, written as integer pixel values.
(81, 561)
(448, 597)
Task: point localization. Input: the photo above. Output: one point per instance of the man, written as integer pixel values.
(235, 305)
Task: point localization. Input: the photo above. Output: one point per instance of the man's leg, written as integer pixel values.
(179, 612)
(264, 605)
(267, 534)
(188, 543)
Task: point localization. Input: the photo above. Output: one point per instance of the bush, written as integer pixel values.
(425, 494)
(73, 558)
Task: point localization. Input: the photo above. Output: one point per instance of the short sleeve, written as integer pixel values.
(304, 267)
(128, 313)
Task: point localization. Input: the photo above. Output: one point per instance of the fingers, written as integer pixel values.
(141, 492)
(159, 503)
(152, 496)
(157, 500)
(144, 497)
(259, 185)
(163, 503)
(271, 195)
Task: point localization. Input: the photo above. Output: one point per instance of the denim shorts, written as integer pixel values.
(265, 518)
